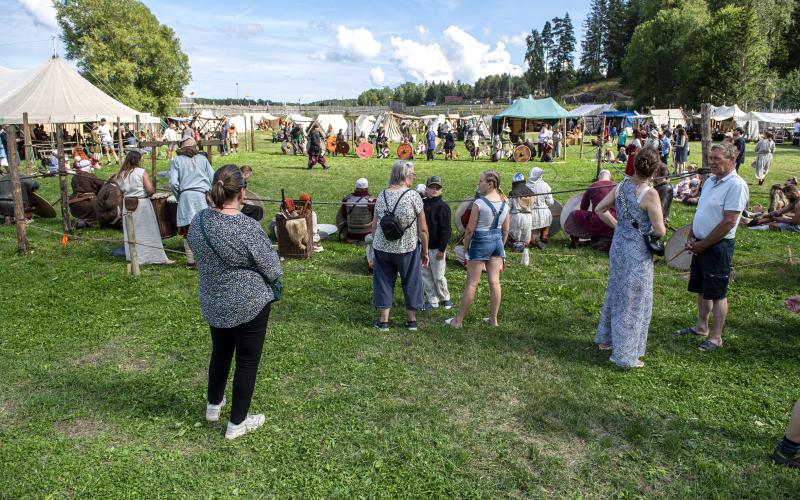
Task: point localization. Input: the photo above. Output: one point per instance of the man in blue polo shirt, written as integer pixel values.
(722, 200)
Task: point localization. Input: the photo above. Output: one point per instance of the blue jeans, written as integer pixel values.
(486, 244)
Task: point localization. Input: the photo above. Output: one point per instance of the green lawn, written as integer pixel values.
(104, 375)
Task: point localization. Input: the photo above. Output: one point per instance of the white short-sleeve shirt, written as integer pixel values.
(718, 196)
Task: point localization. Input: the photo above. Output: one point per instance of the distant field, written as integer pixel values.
(104, 375)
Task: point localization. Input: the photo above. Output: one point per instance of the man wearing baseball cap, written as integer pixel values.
(437, 215)
(354, 218)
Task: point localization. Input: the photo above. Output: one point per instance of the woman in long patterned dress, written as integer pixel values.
(134, 183)
(764, 149)
(628, 303)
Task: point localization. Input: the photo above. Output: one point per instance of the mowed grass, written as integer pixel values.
(104, 375)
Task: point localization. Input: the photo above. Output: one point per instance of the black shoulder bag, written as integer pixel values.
(653, 243)
(390, 223)
(276, 286)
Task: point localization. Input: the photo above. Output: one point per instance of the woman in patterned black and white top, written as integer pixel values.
(403, 256)
(235, 260)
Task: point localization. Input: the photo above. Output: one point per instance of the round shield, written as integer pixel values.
(555, 226)
(286, 147)
(343, 148)
(470, 145)
(460, 211)
(570, 206)
(41, 207)
(364, 150)
(330, 144)
(676, 255)
(522, 153)
(405, 151)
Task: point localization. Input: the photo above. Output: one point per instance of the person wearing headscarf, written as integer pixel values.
(190, 177)
(85, 186)
(519, 204)
(541, 217)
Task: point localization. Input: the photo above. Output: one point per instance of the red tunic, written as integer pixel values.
(586, 217)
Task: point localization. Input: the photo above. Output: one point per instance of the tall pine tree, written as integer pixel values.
(562, 68)
(593, 64)
(534, 57)
(616, 37)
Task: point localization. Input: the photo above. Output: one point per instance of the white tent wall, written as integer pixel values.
(758, 122)
(592, 114)
(391, 126)
(364, 124)
(669, 117)
(336, 121)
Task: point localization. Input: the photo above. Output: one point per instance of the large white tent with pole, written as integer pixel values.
(758, 122)
(669, 117)
(335, 121)
(55, 93)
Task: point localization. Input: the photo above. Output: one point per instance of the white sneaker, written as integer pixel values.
(212, 411)
(251, 423)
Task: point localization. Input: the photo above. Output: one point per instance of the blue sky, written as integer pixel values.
(315, 50)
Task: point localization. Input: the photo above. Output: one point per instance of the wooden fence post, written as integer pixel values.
(62, 178)
(579, 130)
(16, 190)
(133, 267)
(705, 131)
(245, 134)
(121, 151)
(600, 148)
(26, 133)
(252, 133)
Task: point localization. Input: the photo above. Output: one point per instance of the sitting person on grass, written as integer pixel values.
(519, 205)
(786, 219)
(355, 214)
(584, 223)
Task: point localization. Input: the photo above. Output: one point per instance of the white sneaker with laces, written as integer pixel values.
(251, 423)
(212, 411)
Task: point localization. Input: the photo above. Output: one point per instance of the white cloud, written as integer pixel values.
(42, 11)
(518, 40)
(358, 43)
(377, 76)
(471, 59)
(423, 33)
(421, 62)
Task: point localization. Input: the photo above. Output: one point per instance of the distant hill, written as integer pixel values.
(608, 91)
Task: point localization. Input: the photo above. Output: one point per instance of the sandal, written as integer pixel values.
(449, 322)
(605, 347)
(708, 346)
(689, 331)
(488, 321)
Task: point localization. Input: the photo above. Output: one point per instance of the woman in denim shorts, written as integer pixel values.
(485, 235)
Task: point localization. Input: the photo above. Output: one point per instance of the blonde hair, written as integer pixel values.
(493, 176)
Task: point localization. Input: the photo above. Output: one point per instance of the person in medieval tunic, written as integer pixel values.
(519, 205)
(316, 146)
(585, 224)
(108, 204)
(541, 217)
(85, 186)
(28, 186)
(190, 177)
(354, 218)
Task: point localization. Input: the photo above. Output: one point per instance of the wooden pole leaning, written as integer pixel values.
(245, 134)
(120, 153)
(705, 131)
(16, 190)
(26, 133)
(138, 128)
(62, 179)
(133, 267)
(252, 134)
(564, 141)
(600, 149)
(579, 132)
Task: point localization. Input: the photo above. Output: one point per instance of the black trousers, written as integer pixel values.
(429, 153)
(247, 341)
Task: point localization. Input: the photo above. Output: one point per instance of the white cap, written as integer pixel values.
(421, 188)
(362, 183)
(85, 165)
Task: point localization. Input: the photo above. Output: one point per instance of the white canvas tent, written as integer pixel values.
(391, 126)
(55, 93)
(335, 121)
(592, 114)
(302, 120)
(722, 113)
(364, 124)
(668, 117)
(758, 122)
(243, 122)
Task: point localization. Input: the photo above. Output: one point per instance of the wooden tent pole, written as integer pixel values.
(564, 141)
(245, 134)
(252, 134)
(705, 131)
(16, 190)
(62, 178)
(600, 148)
(579, 130)
(133, 267)
(120, 154)
(138, 128)
(26, 132)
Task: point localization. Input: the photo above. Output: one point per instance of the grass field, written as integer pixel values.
(104, 376)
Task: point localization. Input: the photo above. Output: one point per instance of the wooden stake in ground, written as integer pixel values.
(252, 134)
(246, 141)
(138, 128)
(564, 141)
(579, 129)
(62, 178)
(600, 149)
(705, 130)
(133, 267)
(120, 151)
(16, 190)
(26, 133)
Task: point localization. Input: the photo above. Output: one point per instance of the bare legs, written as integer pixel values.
(720, 309)
(474, 270)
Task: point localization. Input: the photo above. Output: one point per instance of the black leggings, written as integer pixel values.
(247, 340)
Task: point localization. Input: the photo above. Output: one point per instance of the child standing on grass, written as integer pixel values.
(437, 214)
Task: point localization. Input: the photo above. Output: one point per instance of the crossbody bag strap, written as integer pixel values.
(625, 211)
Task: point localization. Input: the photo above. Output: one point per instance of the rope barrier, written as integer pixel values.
(104, 240)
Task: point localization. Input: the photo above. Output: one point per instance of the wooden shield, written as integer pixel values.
(286, 147)
(330, 144)
(469, 145)
(41, 207)
(405, 151)
(343, 148)
(522, 153)
(570, 206)
(364, 150)
(555, 226)
(675, 254)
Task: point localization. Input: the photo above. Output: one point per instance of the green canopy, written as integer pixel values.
(535, 109)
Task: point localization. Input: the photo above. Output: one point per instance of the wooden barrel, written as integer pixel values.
(166, 214)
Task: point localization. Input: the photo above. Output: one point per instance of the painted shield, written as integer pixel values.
(364, 150)
(405, 151)
(343, 148)
(522, 153)
(41, 207)
(286, 147)
(676, 255)
(330, 144)
(555, 226)
(569, 207)
(469, 145)
(462, 208)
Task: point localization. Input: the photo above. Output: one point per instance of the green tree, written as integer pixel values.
(562, 70)
(788, 95)
(121, 47)
(592, 61)
(617, 36)
(667, 73)
(534, 57)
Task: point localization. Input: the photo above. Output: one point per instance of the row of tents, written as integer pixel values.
(55, 93)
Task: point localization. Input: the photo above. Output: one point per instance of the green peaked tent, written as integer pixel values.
(535, 109)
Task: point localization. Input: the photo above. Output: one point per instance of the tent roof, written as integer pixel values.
(298, 118)
(779, 118)
(56, 93)
(622, 114)
(592, 109)
(336, 120)
(535, 109)
(720, 113)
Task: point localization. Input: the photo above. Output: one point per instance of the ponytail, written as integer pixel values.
(227, 183)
